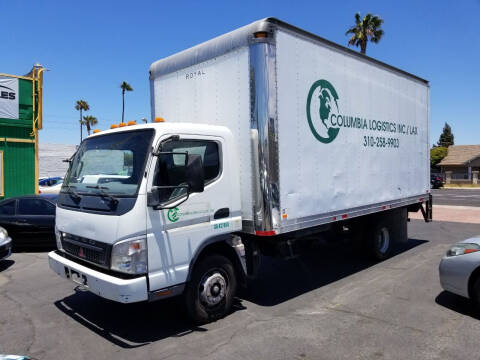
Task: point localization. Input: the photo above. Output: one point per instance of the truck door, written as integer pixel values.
(176, 232)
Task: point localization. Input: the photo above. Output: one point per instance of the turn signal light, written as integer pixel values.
(260, 34)
(468, 251)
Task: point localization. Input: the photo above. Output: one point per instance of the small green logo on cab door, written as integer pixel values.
(173, 214)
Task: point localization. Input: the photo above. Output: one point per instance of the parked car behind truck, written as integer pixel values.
(262, 130)
(29, 220)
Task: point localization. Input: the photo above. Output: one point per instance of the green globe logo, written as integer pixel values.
(173, 214)
(321, 104)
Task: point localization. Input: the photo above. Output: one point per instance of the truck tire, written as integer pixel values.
(380, 240)
(210, 292)
(399, 222)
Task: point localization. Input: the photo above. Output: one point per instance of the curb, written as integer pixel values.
(459, 188)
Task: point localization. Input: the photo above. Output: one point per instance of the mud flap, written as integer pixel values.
(427, 212)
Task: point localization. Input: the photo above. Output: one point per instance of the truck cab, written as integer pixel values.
(142, 205)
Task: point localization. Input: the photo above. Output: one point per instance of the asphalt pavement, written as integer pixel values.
(328, 304)
(456, 197)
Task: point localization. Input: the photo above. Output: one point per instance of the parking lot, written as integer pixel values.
(328, 304)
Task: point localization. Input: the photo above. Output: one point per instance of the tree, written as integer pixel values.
(81, 105)
(89, 121)
(437, 154)
(125, 87)
(446, 137)
(368, 28)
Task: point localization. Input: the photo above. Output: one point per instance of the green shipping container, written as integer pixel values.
(20, 120)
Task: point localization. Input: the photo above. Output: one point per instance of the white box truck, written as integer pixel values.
(259, 139)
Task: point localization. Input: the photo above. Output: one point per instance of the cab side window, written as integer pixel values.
(170, 169)
(35, 207)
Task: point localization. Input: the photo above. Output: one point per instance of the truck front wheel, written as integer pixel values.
(210, 292)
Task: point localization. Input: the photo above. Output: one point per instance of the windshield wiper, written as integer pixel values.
(103, 193)
(72, 192)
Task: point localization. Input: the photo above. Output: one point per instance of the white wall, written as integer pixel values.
(50, 158)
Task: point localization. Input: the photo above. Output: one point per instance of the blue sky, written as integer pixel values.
(92, 46)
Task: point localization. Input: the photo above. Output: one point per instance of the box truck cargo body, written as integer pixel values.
(321, 131)
(261, 138)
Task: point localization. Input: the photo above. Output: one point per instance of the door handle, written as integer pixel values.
(221, 213)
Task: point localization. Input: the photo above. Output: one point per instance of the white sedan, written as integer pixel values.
(5, 244)
(54, 189)
(460, 269)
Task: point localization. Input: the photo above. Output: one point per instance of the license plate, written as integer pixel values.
(76, 277)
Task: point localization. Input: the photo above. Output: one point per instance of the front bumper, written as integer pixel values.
(454, 273)
(5, 249)
(104, 285)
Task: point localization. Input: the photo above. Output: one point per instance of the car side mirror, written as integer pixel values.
(194, 174)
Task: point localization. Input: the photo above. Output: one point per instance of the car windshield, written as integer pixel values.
(111, 164)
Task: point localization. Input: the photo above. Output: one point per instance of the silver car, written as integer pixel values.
(460, 269)
(5, 244)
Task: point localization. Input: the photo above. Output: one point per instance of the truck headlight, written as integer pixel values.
(130, 256)
(462, 248)
(58, 238)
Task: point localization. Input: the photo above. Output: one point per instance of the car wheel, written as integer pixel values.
(210, 292)
(475, 295)
(380, 241)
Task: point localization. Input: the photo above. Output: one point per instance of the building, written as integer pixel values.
(51, 159)
(462, 164)
(20, 120)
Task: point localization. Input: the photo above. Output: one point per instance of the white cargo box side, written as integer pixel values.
(323, 172)
(214, 92)
(297, 173)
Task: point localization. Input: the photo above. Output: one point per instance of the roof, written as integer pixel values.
(50, 197)
(166, 128)
(243, 37)
(461, 154)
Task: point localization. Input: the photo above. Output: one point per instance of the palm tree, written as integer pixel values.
(364, 30)
(89, 121)
(81, 105)
(125, 87)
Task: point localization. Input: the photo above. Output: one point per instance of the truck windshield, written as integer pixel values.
(109, 164)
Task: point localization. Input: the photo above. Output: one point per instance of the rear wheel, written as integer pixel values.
(380, 241)
(209, 295)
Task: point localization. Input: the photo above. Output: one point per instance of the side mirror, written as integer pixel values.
(194, 174)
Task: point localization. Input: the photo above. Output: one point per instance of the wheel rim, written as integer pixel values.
(382, 240)
(213, 288)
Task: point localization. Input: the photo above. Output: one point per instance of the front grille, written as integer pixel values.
(89, 250)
